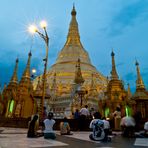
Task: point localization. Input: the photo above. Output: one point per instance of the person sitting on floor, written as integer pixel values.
(33, 127)
(97, 126)
(146, 129)
(48, 127)
(106, 128)
(64, 127)
(128, 126)
(143, 134)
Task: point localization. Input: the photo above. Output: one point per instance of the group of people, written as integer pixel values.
(100, 126)
(47, 127)
(82, 116)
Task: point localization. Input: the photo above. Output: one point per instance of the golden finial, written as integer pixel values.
(26, 73)
(73, 37)
(14, 78)
(114, 74)
(139, 81)
(73, 12)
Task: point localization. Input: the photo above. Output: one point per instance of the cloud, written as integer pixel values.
(127, 16)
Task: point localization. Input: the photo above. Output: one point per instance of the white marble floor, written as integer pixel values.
(16, 138)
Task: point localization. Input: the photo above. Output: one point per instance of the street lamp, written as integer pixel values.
(33, 29)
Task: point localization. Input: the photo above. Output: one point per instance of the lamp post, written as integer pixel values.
(33, 29)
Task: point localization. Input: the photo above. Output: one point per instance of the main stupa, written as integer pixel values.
(62, 98)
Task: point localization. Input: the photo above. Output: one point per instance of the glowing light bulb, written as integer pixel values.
(33, 70)
(43, 24)
(32, 29)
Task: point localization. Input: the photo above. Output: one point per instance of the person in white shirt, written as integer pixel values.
(84, 111)
(128, 124)
(84, 114)
(48, 127)
(106, 128)
(97, 127)
(146, 129)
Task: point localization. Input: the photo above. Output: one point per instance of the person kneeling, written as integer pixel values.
(64, 127)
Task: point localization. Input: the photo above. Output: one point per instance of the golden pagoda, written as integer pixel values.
(64, 67)
(116, 95)
(18, 97)
(10, 93)
(26, 103)
(141, 95)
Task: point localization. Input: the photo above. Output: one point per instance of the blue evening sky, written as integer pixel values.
(103, 25)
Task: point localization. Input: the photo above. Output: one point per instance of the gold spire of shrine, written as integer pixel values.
(26, 73)
(129, 94)
(14, 78)
(139, 81)
(73, 37)
(78, 75)
(114, 74)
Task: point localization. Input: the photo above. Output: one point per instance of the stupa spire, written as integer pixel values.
(26, 73)
(73, 37)
(78, 75)
(114, 74)
(129, 94)
(139, 81)
(14, 78)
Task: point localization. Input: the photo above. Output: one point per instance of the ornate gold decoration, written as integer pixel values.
(139, 81)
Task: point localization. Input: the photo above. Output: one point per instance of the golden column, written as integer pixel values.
(33, 29)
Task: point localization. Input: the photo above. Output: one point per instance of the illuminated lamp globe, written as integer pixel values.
(43, 24)
(33, 70)
(32, 29)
